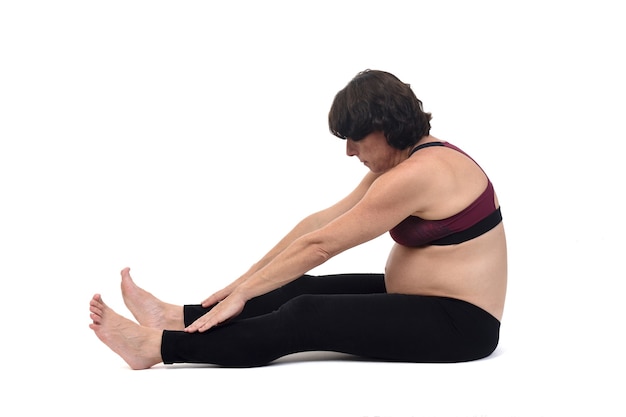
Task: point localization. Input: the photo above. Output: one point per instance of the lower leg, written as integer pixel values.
(307, 322)
(139, 346)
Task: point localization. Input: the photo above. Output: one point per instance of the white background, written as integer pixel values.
(184, 138)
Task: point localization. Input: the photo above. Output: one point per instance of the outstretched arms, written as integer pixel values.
(307, 225)
(376, 205)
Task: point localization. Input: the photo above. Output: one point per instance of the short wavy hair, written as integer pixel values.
(378, 101)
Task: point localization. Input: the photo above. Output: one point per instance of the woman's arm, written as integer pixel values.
(307, 225)
(384, 204)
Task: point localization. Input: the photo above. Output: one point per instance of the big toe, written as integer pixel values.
(125, 273)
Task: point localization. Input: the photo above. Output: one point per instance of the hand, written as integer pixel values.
(217, 297)
(226, 309)
(223, 293)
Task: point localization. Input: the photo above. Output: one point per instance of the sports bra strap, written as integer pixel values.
(425, 145)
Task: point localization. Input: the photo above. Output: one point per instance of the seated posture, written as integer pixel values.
(440, 298)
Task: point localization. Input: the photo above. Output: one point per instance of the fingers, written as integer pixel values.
(208, 302)
(225, 310)
(223, 293)
(210, 319)
(202, 324)
(216, 298)
(212, 300)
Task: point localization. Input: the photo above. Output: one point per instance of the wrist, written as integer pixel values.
(243, 291)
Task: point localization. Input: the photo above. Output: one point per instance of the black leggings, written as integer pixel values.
(347, 313)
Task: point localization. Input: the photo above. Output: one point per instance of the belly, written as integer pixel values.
(473, 271)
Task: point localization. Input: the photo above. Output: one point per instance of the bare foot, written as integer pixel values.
(139, 346)
(149, 310)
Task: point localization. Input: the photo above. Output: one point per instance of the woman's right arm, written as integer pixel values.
(308, 224)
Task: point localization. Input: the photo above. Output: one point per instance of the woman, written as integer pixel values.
(440, 299)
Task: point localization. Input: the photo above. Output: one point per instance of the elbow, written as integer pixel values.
(318, 252)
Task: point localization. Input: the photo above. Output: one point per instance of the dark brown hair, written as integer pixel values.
(378, 101)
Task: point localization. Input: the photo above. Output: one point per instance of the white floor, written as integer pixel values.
(182, 140)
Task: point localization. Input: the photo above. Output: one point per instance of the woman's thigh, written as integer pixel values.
(394, 327)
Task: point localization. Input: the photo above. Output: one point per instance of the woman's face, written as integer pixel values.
(375, 153)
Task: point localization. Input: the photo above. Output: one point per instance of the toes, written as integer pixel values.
(97, 319)
(125, 273)
(96, 309)
(97, 306)
(96, 301)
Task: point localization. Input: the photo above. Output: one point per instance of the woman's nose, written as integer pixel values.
(350, 148)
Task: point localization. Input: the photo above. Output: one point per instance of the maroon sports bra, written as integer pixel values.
(476, 219)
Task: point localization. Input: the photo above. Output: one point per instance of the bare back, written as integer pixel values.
(475, 270)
